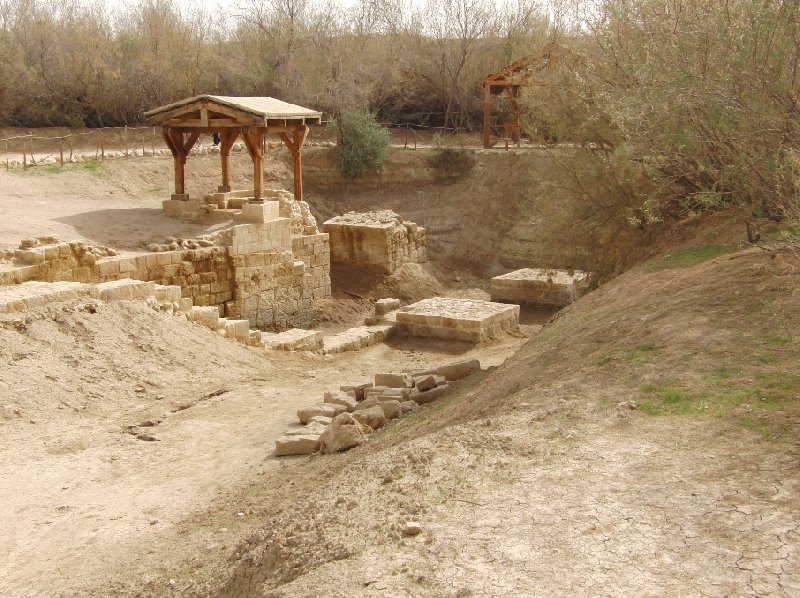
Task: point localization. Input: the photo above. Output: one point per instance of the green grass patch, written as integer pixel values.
(92, 166)
(689, 256)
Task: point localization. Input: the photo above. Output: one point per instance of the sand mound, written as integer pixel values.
(409, 283)
(87, 357)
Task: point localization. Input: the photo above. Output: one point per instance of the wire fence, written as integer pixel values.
(38, 149)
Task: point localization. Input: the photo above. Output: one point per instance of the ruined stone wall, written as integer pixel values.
(204, 274)
(380, 240)
(258, 272)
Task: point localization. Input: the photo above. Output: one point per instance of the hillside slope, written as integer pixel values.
(645, 442)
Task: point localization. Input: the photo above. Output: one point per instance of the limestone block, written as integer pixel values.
(258, 212)
(185, 305)
(367, 403)
(168, 293)
(427, 396)
(384, 306)
(344, 433)
(542, 286)
(408, 406)
(384, 393)
(459, 369)
(465, 320)
(425, 382)
(391, 409)
(238, 330)
(339, 397)
(356, 389)
(320, 419)
(295, 339)
(125, 289)
(394, 380)
(254, 338)
(324, 409)
(207, 316)
(372, 417)
(301, 444)
(313, 427)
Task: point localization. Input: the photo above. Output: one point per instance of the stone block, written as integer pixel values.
(339, 397)
(541, 286)
(384, 306)
(426, 396)
(238, 330)
(168, 292)
(125, 289)
(465, 320)
(356, 389)
(459, 369)
(301, 444)
(391, 409)
(384, 393)
(207, 316)
(258, 213)
(394, 380)
(372, 417)
(408, 406)
(323, 409)
(345, 432)
(425, 382)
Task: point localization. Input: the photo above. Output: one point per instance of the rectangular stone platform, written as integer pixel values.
(540, 286)
(378, 240)
(457, 319)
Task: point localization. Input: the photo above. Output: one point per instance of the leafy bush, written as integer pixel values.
(452, 161)
(362, 144)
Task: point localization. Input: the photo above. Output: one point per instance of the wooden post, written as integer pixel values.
(61, 151)
(71, 146)
(25, 154)
(102, 145)
(300, 133)
(487, 116)
(180, 149)
(253, 138)
(153, 141)
(517, 115)
(227, 140)
(8, 167)
(126, 140)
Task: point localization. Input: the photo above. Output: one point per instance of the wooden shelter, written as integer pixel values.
(507, 83)
(231, 117)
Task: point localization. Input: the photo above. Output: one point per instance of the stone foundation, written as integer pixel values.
(542, 287)
(263, 272)
(457, 319)
(378, 240)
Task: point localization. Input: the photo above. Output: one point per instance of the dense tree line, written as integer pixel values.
(687, 104)
(80, 63)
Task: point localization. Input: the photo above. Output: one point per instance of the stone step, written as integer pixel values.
(357, 338)
(295, 339)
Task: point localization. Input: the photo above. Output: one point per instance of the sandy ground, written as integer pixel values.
(643, 444)
(76, 484)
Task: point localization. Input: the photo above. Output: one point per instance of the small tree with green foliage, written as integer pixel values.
(362, 143)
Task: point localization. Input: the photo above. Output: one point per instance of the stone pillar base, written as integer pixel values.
(224, 189)
(180, 197)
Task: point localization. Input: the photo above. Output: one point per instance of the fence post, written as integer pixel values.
(144, 139)
(25, 154)
(126, 141)
(153, 142)
(102, 146)
(8, 167)
(61, 151)
(71, 143)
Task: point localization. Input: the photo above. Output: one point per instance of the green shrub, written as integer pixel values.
(363, 143)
